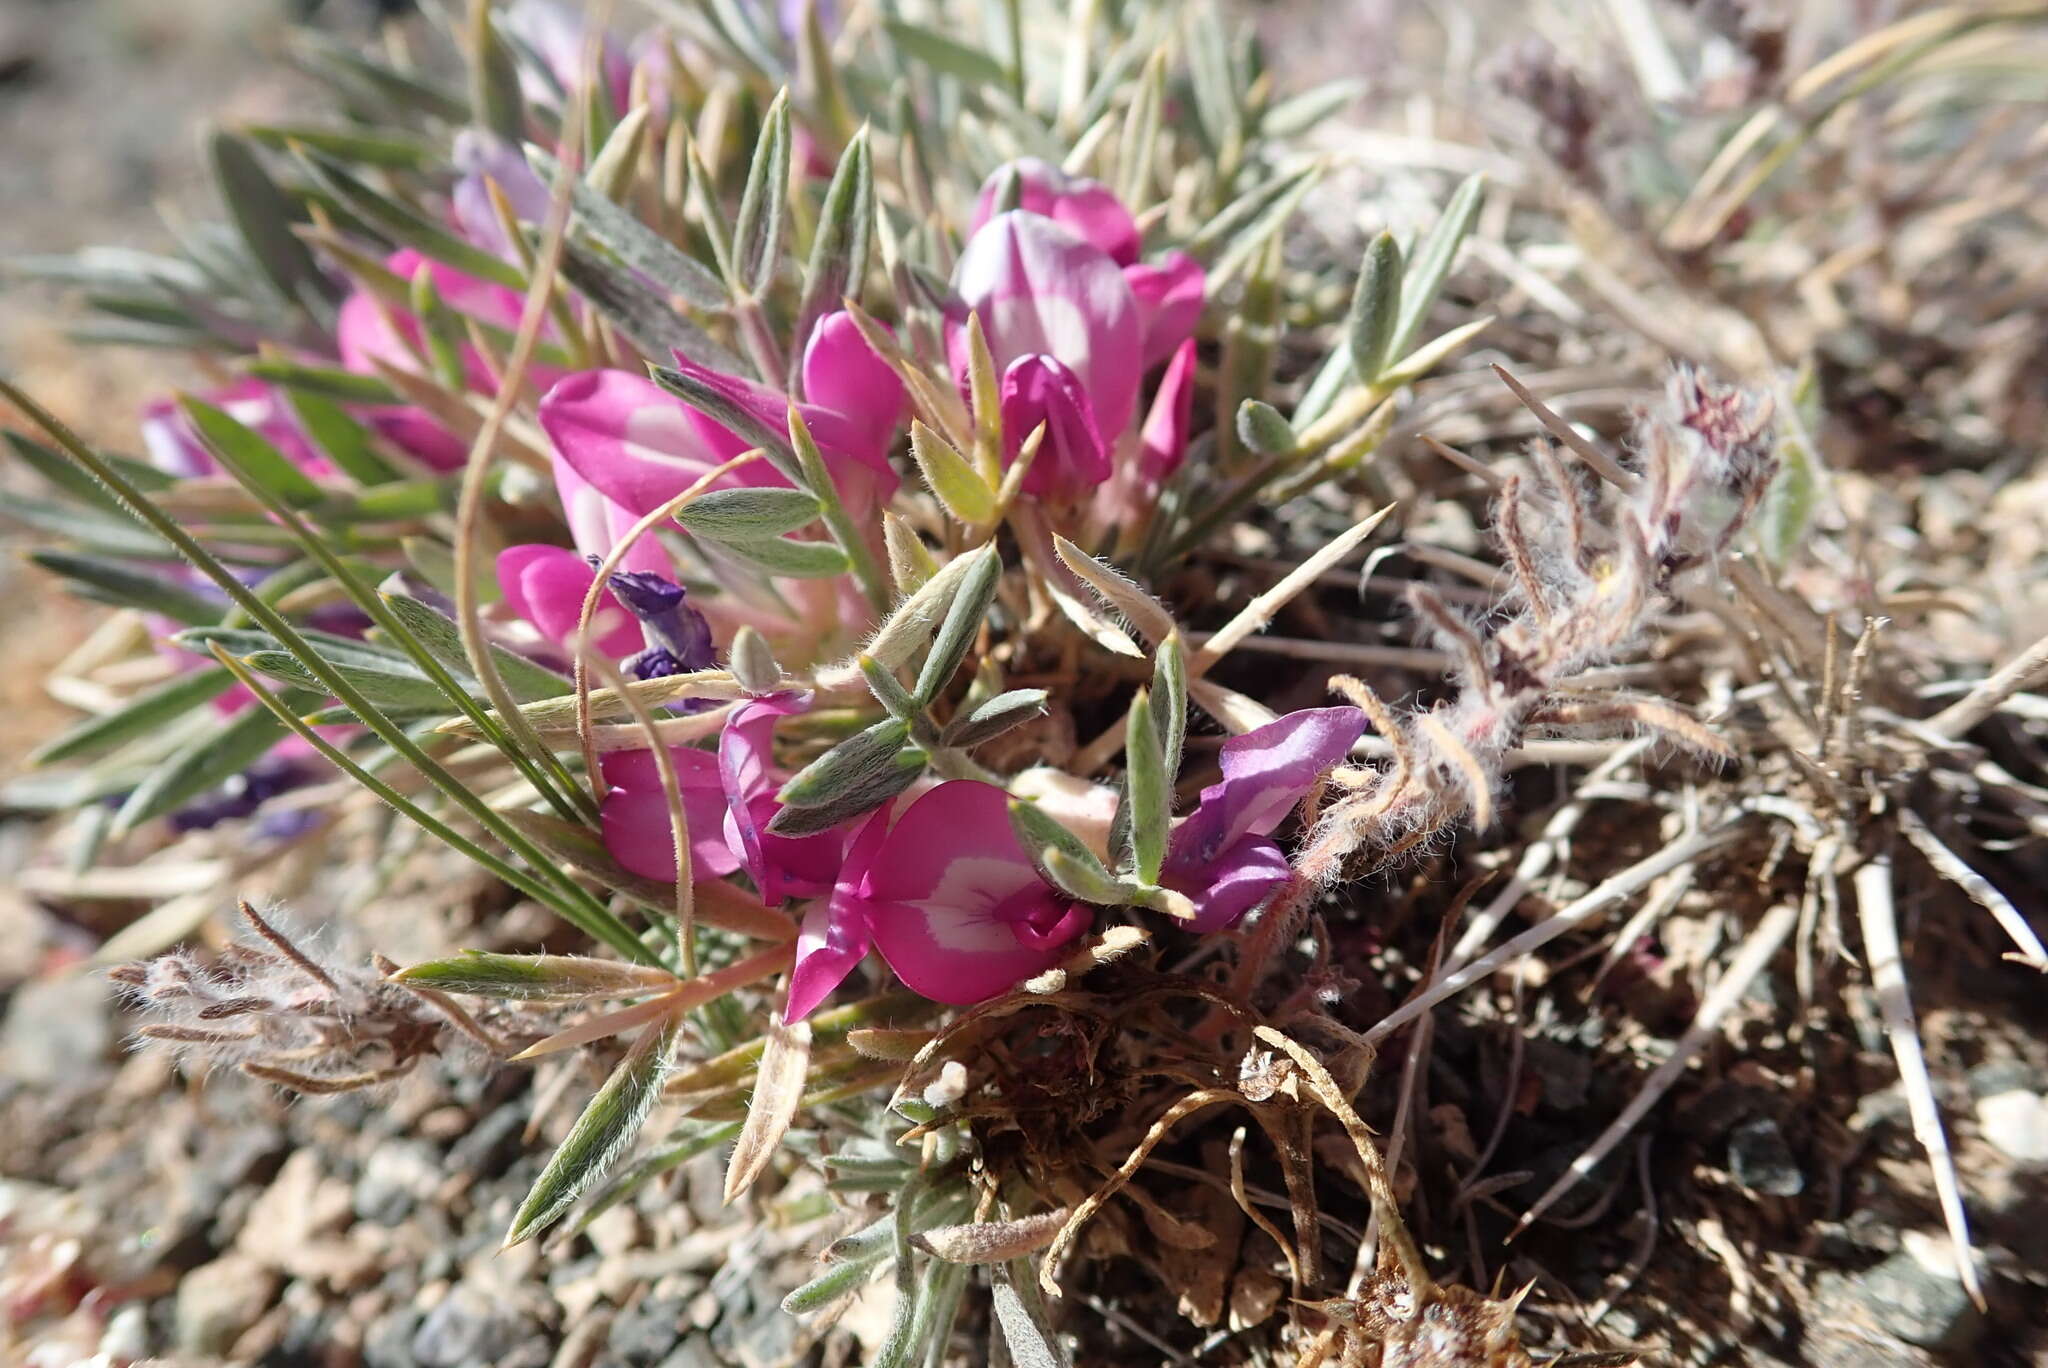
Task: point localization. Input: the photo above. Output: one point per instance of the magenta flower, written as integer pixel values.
(639, 446)
(175, 448)
(1163, 442)
(1088, 207)
(1221, 856)
(1073, 323)
(365, 334)
(949, 898)
(729, 800)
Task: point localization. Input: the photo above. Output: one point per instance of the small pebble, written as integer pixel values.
(2016, 1123)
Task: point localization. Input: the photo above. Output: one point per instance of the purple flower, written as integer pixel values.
(677, 636)
(556, 33)
(175, 448)
(481, 156)
(1221, 856)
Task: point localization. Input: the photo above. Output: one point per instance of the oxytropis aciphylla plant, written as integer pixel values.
(1584, 588)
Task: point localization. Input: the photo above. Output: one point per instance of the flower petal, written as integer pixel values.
(546, 585)
(1087, 206)
(1169, 296)
(634, 442)
(634, 816)
(1232, 885)
(1266, 772)
(956, 907)
(1040, 287)
(842, 373)
(597, 523)
(834, 940)
(1163, 442)
(1072, 459)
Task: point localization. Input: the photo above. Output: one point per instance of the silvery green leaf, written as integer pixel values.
(1790, 500)
(1076, 870)
(394, 686)
(753, 662)
(389, 149)
(1299, 113)
(757, 233)
(888, 690)
(68, 478)
(378, 88)
(436, 633)
(1246, 222)
(1014, 1297)
(340, 437)
(749, 513)
(685, 1143)
(407, 226)
(1425, 357)
(1375, 308)
(494, 94)
(991, 719)
(963, 621)
(848, 767)
(146, 712)
(646, 317)
(1433, 260)
(948, 56)
(216, 757)
(111, 581)
(1218, 109)
(604, 1130)
(958, 485)
(265, 214)
(723, 411)
(248, 456)
(88, 530)
(1149, 788)
(839, 252)
(536, 978)
(1263, 430)
(241, 641)
(794, 559)
(894, 774)
(1170, 701)
(611, 171)
(636, 245)
(329, 382)
(840, 1280)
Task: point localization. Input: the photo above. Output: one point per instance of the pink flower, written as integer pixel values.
(1163, 442)
(949, 898)
(546, 585)
(364, 333)
(639, 446)
(1088, 207)
(1221, 855)
(556, 32)
(729, 800)
(174, 446)
(1073, 332)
